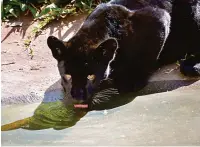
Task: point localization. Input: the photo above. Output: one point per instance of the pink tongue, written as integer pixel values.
(80, 105)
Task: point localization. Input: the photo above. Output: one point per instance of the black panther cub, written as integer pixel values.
(126, 41)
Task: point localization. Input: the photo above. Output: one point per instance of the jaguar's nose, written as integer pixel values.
(78, 93)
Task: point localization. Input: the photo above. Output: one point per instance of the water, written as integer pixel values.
(170, 118)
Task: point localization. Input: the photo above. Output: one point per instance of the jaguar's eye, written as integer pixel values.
(67, 77)
(91, 77)
(86, 64)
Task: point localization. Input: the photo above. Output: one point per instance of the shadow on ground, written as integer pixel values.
(57, 111)
(27, 21)
(72, 24)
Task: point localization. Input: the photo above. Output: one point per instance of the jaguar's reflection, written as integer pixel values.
(49, 115)
(54, 112)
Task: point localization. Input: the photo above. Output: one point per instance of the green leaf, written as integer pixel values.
(2, 11)
(8, 15)
(44, 12)
(68, 11)
(7, 8)
(52, 6)
(14, 2)
(23, 6)
(33, 10)
(83, 3)
(13, 12)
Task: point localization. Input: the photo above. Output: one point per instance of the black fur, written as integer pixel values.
(126, 41)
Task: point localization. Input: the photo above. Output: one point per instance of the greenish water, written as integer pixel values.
(170, 118)
(58, 112)
(48, 115)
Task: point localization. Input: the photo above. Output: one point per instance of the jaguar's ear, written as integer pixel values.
(57, 47)
(107, 49)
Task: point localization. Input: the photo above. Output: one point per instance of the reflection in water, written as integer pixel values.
(49, 115)
(59, 113)
(55, 112)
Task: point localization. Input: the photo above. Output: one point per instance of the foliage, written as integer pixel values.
(45, 11)
(13, 8)
(38, 8)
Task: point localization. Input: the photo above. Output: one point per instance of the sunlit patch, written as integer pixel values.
(67, 77)
(91, 77)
